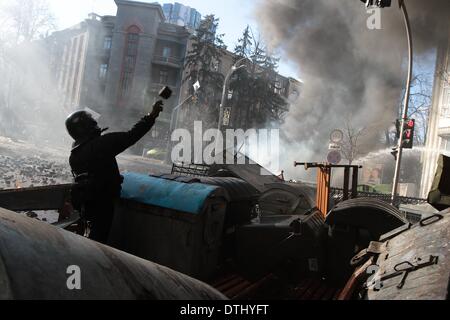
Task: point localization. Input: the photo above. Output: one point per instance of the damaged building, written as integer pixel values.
(115, 65)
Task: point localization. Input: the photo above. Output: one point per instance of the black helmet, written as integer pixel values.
(81, 125)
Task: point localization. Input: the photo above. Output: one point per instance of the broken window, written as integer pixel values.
(129, 60)
(163, 77)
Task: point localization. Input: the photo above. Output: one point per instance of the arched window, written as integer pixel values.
(129, 61)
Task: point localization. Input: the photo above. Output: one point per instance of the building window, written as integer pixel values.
(166, 52)
(129, 62)
(277, 87)
(107, 43)
(163, 77)
(445, 108)
(126, 82)
(133, 39)
(103, 70)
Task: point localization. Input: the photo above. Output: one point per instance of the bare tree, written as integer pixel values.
(25, 20)
(350, 146)
(419, 109)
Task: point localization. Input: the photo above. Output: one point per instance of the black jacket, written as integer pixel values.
(97, 157)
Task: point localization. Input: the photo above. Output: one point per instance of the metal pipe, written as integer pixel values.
(39, 261)
(405, 104)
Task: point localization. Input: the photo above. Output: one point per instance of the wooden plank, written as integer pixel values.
(354, 281)
(355, 183)
(320, 291)
(308, 294)
(303, 287)
(346, 183)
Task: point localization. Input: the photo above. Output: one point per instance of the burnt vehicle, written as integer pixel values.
(242, 235)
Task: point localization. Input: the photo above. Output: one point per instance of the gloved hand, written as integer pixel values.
(157, 109)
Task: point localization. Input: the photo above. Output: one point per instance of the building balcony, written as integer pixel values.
(168, 61)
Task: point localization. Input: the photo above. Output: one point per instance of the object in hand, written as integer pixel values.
(165, 93)
(157, 109)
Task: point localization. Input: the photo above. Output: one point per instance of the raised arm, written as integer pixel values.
(116, 143)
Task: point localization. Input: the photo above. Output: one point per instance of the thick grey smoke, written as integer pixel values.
(31, 107)
(349, 71)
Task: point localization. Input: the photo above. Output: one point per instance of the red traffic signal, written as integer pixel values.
(408, 134)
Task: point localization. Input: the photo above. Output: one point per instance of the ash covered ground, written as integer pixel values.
(24, 165)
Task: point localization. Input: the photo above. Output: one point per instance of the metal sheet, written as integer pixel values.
(34, 258)
(38, 198)
(414, 246)
(376, 216)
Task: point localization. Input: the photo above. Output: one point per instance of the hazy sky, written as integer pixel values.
(234, 16)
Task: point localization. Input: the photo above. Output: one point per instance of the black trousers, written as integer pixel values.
(100, 213)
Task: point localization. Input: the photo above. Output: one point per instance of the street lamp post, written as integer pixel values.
(174, 119)
(399, 151)
(233, 69)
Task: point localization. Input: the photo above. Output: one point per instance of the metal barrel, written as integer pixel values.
(39, 261)
(353, 224)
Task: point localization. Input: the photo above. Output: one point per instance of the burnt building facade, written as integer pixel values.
(116, 65)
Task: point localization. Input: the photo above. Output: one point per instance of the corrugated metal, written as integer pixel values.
(352, 225)
(374, 215)
(287, 198)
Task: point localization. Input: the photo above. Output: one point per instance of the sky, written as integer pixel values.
(234, 16)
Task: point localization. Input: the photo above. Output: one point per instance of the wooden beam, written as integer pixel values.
(38, 198)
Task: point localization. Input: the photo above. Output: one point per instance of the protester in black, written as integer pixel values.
(93, 162)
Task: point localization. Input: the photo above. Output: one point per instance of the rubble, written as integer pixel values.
(24, 172)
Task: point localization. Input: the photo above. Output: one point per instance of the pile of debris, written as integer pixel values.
(33, 171)
(24, 172)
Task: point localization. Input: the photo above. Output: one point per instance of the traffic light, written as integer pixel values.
(408, 134)
(377, 3)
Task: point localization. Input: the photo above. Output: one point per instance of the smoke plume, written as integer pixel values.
(349, 71)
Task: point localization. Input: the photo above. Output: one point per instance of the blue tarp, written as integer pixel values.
(166, 193)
